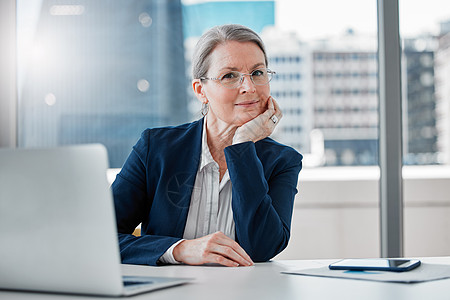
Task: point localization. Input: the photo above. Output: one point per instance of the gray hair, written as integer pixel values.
(219, 35)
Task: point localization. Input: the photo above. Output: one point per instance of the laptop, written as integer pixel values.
(57, 224)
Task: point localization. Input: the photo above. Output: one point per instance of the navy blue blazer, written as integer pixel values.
(155, 185)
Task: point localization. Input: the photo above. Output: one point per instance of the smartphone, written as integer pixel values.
(376, 264)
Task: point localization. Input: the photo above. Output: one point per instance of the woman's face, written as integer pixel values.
(242, 104)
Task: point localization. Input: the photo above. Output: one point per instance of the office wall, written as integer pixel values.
(336, 213)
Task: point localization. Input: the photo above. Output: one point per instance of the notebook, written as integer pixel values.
(57, 224)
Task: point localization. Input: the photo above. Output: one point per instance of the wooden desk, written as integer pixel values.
(264, 281)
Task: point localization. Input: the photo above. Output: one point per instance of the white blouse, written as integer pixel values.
(210, 208)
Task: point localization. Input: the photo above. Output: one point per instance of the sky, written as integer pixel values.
(321, 18)
(313, 19)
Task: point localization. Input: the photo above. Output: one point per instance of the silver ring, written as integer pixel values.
(274, 119)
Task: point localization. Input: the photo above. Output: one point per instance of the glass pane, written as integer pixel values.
(104, 70)
(331, 116)
(99, 72)
(425, 92)
(326, 85)
(326, 78)
(425, 34)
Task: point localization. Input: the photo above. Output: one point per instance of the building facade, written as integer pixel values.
(102, 73)
(345, 92)
(442, 72)
(419, 102)
(291, 87)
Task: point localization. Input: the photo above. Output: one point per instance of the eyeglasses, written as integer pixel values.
(234, 79)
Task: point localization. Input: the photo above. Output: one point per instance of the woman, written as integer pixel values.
(217, 190)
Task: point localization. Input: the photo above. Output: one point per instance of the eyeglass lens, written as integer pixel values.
(235, 78)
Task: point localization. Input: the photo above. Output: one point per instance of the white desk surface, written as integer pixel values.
(264, 281)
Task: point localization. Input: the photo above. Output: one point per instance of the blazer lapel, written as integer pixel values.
(182, 182)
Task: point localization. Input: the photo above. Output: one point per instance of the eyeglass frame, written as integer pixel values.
(241, 78)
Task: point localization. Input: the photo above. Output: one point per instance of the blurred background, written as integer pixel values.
(104, 70)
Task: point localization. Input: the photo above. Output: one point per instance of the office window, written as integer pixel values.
(340, 146)
(98, 72)
(426, 125)
(102, 71)
(425, 63)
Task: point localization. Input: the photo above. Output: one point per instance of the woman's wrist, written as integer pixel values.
(240, 138)
(177, 251)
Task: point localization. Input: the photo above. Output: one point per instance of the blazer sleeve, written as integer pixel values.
(133, 196)
(262, 208)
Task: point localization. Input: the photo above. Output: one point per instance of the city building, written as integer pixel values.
(345, 92)
(419, 103)
(328, 89)
(442, 78)
(102, 73)
(291, 86)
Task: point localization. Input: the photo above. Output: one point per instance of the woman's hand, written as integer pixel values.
(260, 127)
(214, 248)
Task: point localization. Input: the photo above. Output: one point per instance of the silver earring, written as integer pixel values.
(205, 109)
